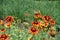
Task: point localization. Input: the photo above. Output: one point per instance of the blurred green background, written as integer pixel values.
(47, 0)
(18, 8)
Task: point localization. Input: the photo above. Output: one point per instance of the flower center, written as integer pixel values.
(2, 29)
(3, 36)
(37, 14)
(47, 18)
(36, 23)
(33, 29)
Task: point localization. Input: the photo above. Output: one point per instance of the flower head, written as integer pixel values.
(46, 24)
(19, 21)
(46, 18)
(18, 30)
(1, 22)
(4, 37)
(9, 19)
(33, 31)
(52, 33)
(8, 25)
(29, 38)
(2, 30)
(41, 24)
(52, 22)
(37, 15)
(35, 23)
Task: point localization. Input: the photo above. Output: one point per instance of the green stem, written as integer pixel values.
(9, 30)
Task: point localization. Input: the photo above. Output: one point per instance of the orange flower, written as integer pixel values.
(37, 15)
(52, 22)
(46, 18)
(1, 22)
(2, 30)
(1, 38)
(9, 19)
(35, 23)
(49, 33)
(33, 31)
(26, 14)
(46, 24)
(41, 24)
(4, 37)
(8, 25)
(52, 33)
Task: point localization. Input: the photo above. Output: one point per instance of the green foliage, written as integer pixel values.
(47, 0)
(18, 8)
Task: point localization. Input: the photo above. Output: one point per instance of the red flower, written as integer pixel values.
(2, 30)
(46, 18)
(52, 22)
(9, 19)
(52, 33)
(33, 31)
(4, 37)
(35, 23)
(37, 15)
(46, 24)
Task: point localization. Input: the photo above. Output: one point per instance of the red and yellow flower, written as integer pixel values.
(9, 19)
(4, 37)
(41, 24)
(33, 31)
(52, 22)
(8, 25)
(35, 23)
(29, 38)
(46, 18)
(52, 33)
(37, 15)
(3, 30)
(46, 24)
